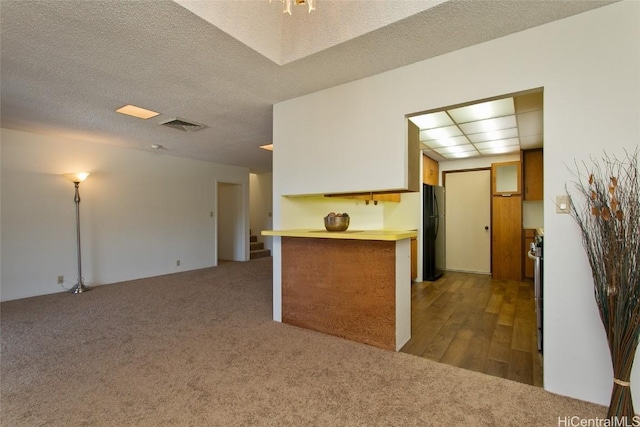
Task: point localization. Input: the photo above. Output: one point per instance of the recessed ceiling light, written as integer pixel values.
(433, 120)
(460, 155)
(489, 125)
(511, 142)
(141, 113)
(500, 150)
(440, 133)
(494, 135)
(483, 110)
(267, 147)
(447, 142)
(456, 149)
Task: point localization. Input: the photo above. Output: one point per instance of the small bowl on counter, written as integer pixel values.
(336, 222)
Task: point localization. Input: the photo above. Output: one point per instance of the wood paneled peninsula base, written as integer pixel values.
(355, 284)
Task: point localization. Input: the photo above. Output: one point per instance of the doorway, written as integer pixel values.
(466, 318)
(468, 211)
(231, 245)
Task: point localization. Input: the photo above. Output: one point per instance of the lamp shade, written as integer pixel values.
(76, 176)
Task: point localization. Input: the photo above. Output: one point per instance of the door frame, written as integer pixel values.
(444, 184)
(238, 211)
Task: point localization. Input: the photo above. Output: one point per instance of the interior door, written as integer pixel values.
(468, 211)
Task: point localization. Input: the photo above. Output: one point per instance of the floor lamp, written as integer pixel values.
(77, 178)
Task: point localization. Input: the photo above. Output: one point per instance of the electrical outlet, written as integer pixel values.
(60, 280)
(178, 263)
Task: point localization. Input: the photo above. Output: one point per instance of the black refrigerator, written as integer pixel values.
(433, 251)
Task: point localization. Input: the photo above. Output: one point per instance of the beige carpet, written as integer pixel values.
(199, 349)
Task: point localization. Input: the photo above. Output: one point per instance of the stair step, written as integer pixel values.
(254, 246)
(253, 238)
(260, 253)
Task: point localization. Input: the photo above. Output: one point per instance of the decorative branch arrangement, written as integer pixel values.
(609, 218)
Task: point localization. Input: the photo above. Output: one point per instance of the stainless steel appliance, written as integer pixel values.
(433, 254)
(536, 254)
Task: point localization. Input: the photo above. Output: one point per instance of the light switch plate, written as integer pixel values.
(562, 204)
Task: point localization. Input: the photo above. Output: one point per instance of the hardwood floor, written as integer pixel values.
(473, 322)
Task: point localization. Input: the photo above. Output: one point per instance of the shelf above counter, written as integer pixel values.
(385, 235)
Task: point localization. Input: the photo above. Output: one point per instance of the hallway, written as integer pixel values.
(473, 322)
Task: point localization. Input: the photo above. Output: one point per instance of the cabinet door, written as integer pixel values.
(506, 251)
(533, 172)
(506, 178)
(370, 197)
(430, 170)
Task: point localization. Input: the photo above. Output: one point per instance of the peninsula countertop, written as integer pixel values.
(386, 235)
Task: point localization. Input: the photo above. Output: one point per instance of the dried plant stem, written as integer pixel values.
(608, 214)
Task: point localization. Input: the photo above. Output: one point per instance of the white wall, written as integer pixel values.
(140, 212)
(589, 67)
(329, 146)
(309, 211)
(261, 206)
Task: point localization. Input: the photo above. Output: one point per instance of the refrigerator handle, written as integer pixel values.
(435, 200)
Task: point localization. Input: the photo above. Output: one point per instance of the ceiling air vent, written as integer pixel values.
(182, 124)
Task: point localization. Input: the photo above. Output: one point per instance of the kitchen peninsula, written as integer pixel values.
(352, 284)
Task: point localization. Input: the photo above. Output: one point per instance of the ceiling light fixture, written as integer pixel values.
(286, 5)
(487, 128)
(141, 113)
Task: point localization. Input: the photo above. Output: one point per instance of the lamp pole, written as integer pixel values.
(79, 287)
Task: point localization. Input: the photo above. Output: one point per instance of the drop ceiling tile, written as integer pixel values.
(532, 141)
(483, 110)
(489, 125)
(432, 120)
(495, 135)
(530, 123)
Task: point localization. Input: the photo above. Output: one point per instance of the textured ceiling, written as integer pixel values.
(65, 66)
(283, 38)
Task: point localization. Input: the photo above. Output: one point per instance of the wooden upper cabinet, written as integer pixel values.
(533, 172)
(506, 179)
(387, 197)
(430, 170)
(370, 197)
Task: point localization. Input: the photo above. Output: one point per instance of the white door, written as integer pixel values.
(468, 212)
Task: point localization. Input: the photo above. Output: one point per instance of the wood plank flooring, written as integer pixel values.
(474, 322)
